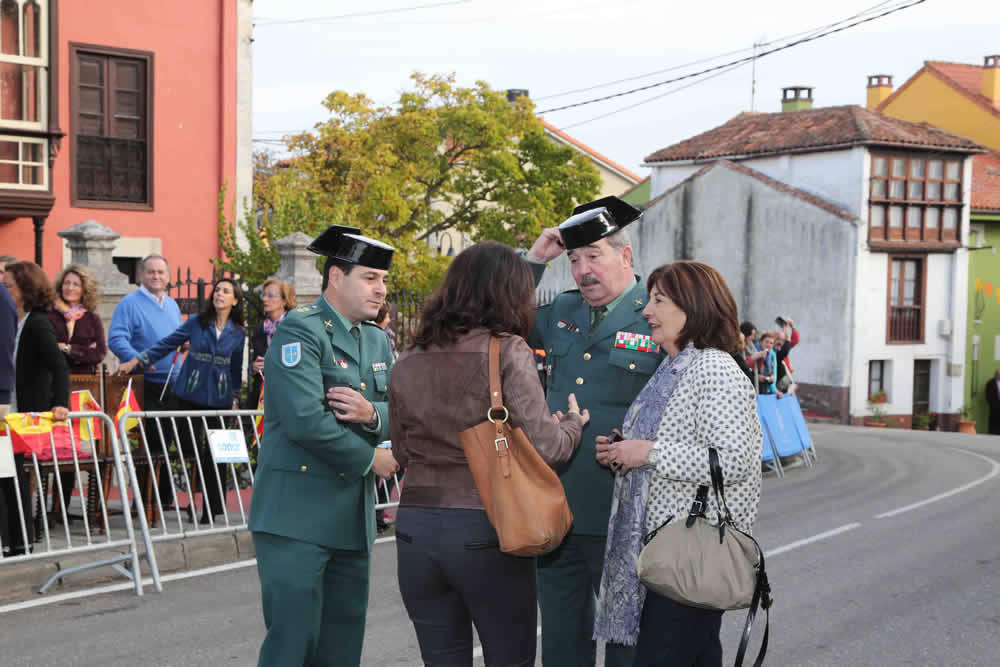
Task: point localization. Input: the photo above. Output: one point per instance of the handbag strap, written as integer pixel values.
(496, 391)
(761, 598)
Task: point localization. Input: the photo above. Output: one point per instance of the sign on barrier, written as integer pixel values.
(6, 457)
(228, 446)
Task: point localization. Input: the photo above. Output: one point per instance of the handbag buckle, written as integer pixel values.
(499, 441)
(697, 508)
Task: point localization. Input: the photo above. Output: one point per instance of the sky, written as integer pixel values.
(550, 47)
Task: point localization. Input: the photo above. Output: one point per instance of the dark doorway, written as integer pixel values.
(129, 266)
(921, 386)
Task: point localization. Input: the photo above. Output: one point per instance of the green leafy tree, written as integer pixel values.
(443, 157)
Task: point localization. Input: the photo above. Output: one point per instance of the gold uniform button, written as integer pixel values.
(362, 386)
(631, 367)
(579, 380)
(586, 356)
(304, 468)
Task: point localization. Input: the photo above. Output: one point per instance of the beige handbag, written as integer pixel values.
(708, 565)
(523, 496)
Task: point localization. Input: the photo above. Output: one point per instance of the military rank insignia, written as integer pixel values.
(379, 366)
(291, 354)
(626, 340)
(568, 326)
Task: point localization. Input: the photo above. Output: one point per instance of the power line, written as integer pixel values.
(655, 97)
(747, 59)
(699, 61)
(339, 17)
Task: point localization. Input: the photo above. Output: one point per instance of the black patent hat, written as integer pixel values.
(595, 220)
(348, 245)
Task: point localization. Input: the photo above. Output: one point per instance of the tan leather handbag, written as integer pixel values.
(523, 496)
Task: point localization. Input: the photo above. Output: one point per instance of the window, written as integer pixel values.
(23, 101)
(111, 127)
(915, 198)
(876, 377)
(906, 300)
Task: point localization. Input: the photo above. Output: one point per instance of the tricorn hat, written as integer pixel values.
(348, 245)
(594, 220)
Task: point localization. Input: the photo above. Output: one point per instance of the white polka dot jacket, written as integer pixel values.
(713, 405)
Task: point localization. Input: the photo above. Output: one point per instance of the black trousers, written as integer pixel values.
(676, 635)
(151, 403)
(452, 575)
(10, 519)
(213, 476)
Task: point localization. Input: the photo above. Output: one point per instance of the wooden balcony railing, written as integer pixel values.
(906, 324)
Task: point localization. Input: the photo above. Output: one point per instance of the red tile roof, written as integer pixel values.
(766, 180)
(606, 161)
(986, 182)
(807, 131)
(966, 79)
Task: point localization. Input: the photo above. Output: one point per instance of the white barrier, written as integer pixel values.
(106, 520)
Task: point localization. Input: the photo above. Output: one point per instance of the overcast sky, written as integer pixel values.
(553, 46)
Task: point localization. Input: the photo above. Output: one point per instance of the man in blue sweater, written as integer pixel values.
(140, 320)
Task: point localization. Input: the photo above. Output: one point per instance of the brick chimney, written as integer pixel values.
(991, 78)
(796, 98)
(879, 89)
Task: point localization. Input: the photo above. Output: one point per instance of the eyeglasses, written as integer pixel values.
(271, 295)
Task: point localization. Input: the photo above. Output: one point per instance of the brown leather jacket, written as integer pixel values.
(437, 392)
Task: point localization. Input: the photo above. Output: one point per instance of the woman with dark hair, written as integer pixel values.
(41, 384)
(451, 571)
(209, 379)
(698, 398)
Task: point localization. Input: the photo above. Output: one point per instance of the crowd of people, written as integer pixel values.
(766, 356)
(641, 378)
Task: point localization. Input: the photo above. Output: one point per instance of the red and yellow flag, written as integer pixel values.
(84, 401)
(259, 419)
(36, 432)
(128, 404)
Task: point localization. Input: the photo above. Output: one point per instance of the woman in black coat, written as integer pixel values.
(277, 297)
(41, 384)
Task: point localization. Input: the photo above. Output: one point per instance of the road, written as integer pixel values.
(884, 553)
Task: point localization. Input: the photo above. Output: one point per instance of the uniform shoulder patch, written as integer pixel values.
(291, 354)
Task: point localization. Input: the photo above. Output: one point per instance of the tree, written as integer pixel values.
(443, 157)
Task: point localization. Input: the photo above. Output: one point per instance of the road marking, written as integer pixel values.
(994, 471)
(810, 540)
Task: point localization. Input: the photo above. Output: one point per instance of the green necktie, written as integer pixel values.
(597, 314)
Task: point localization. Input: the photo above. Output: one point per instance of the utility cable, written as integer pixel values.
(747, 59)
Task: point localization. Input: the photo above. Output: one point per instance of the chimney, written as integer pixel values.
(514, 93)
(879, 89)
(796, 98)
(991, 78)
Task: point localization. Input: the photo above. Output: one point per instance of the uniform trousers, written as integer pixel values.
(569, 580)
(452, 575)
(314, 600)
(672, 634)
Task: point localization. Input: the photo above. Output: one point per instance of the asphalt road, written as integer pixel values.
(884, 553)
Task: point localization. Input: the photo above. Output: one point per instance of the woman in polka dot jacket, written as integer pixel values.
(698, 398)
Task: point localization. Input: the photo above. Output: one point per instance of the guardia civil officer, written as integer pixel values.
(597, 346)
(313, 511)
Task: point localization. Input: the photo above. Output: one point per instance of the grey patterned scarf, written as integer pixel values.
(619, 604)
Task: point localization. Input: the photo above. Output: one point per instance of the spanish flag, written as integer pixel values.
(259, 419)
(128, 404)
(36, 432)
(84, 401)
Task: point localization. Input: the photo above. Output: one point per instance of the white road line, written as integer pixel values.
(809, 540)
(994, 471)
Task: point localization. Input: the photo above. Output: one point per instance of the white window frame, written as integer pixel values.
(21, 163)
(42, 63)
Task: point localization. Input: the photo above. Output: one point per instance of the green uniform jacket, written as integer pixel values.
(605, 380)
(314, 481)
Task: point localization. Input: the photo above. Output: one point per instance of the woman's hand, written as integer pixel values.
(603, 445)
(629, 454)
(60, 413)
(126, 367)
(64, 348)
(258, 364)
(574, 409)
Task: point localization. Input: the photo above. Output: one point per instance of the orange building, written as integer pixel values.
(133, 114)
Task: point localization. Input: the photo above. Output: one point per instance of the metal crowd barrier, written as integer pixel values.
(173, 448)
(105, 505)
